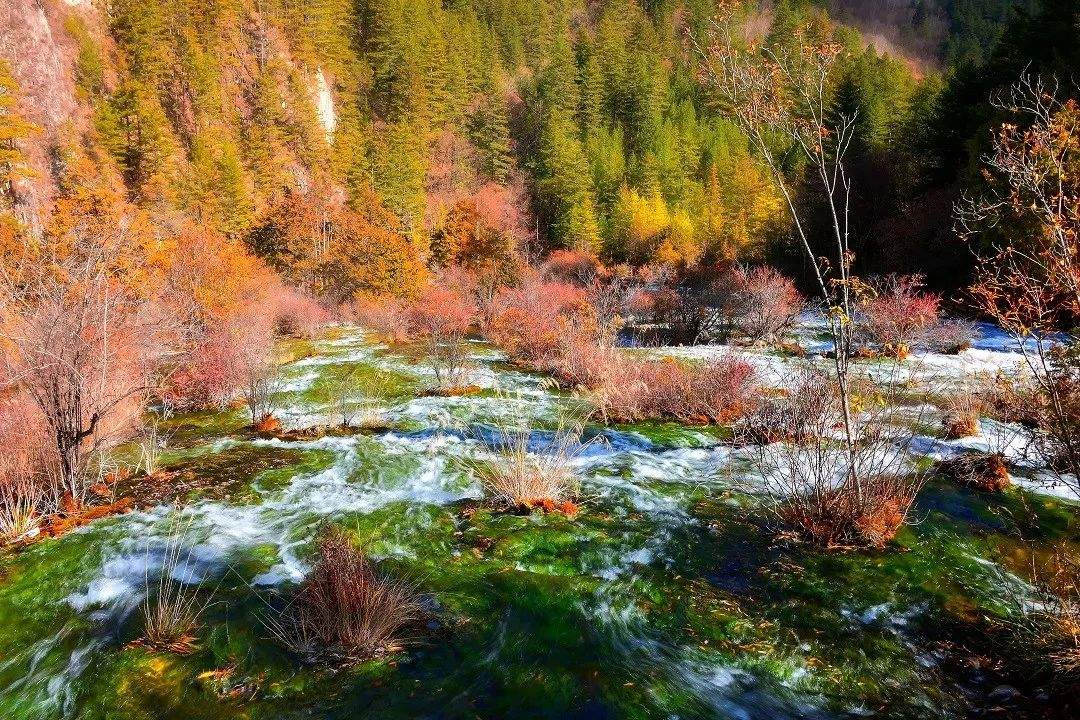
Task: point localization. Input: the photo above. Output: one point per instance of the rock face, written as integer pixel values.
(33, 41)
(324, 105)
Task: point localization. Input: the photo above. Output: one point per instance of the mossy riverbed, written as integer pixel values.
(666, 596)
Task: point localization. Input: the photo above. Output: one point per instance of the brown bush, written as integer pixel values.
(835, 491)
(345, 610)
(980, 471)
(715, 391)
(962, 412)
(841, 516)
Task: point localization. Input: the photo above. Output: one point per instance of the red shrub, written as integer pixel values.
(767, 303)
(387, 315)
(717, 391)
(297, 314)
(219, 364)
(534, 320)
(573, 266)
(896, 314)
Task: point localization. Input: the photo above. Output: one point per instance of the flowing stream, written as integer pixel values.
(666, 597)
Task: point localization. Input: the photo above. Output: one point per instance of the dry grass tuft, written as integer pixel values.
(980, 471)
(171, 608)
(962, 412)
(20, 501)
(532, 469)
(345, 610)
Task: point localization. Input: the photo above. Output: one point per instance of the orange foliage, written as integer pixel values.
(335, 252)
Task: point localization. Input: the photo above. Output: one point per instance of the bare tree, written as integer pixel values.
(82, 343)
(262, 381)
(782, 99)
(1028, 269)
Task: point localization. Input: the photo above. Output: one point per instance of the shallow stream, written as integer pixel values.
(666, 597)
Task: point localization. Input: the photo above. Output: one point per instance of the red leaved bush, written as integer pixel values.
(536, 320)
(297, 314)
(715, 391)
(896, 314)
(219, 363)
(767, 302)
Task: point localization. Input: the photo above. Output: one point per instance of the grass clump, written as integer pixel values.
(171, 607)
(345, 610)
(531, 468)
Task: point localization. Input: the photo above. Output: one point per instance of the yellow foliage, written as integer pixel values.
(638, 222)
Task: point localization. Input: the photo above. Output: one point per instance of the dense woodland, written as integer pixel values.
(563, 126)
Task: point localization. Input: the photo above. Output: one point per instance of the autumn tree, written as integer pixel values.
(1029, 274)
(13, 130)
(81, 338)
(334, 252)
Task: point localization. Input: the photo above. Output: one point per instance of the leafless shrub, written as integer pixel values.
(980, 471)
(829, 492)
(358, 395)
(262, 383)
(962, 413)
(345, 610)
(718, 390)
(83, 346)
(1013, 400)
(895, 313)
(794, 414)
(986, 471)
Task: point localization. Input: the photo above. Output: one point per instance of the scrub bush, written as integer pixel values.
(765, 302)
(345, 609)
(896, 315)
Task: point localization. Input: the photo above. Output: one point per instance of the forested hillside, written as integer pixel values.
(560, 123)
(567, 359)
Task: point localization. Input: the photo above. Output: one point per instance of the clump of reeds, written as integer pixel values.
(345, 609)
(171, 608)
(532, 468)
